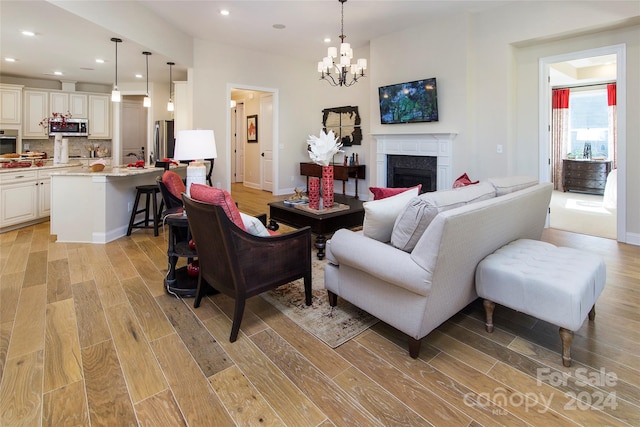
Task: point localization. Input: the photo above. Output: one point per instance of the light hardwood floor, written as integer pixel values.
(89, 337)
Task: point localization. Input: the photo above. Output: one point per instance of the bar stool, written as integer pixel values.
(150, 191)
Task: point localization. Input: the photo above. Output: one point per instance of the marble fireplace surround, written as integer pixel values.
(423, 144)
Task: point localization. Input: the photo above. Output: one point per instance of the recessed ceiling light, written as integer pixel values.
(28, 33)
(224, 12)
(138, 76)
(100, 61)
(10, 59)
(327, 40)
(57, 73)
(279, 26)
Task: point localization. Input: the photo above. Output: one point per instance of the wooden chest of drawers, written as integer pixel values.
(587, 176)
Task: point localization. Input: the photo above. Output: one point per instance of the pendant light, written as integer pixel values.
(147, 100)
(170, 106)
(115, 93)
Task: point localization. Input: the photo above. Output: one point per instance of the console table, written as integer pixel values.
(340, 172)
(587, 176)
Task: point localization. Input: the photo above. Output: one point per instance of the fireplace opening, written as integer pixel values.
(409, 171)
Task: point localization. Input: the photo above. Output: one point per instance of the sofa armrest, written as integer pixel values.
(380, 260)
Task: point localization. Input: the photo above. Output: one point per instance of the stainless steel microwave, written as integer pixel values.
(71, 127)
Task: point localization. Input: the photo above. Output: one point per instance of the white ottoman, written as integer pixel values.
(555, 284)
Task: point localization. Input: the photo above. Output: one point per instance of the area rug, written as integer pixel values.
(332, 325)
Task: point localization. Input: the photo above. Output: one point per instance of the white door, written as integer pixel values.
(265, 139)
(237, 142)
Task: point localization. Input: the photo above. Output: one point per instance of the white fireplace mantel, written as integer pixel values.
(417, 144)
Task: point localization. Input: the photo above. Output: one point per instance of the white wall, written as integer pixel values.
(217, 65)
(487, 89)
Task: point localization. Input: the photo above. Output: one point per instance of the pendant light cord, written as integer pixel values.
(116, 41)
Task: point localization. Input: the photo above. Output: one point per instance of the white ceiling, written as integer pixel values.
(584, 71)
(71, 44)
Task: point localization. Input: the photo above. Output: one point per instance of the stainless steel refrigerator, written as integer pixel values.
(164, 140)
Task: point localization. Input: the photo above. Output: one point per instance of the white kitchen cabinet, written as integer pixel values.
(19, 197)
(25, 195)
(36, 108)
(99, 117)
(10, 104)
(74, 103)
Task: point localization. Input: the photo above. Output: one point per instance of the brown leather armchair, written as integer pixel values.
(241, 265)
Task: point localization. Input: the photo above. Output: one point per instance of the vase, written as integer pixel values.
(327, 187)
(314, 192)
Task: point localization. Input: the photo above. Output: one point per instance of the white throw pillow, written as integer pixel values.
(254, 226)
(380, 215)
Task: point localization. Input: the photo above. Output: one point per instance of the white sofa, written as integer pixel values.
(417, 289)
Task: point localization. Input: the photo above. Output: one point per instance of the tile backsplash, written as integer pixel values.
(78, 146)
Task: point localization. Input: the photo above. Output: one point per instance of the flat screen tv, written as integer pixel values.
(411, 102)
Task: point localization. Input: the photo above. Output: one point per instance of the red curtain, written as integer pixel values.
(611, 94)
(613, 124)
(561, 98)
(559, 133)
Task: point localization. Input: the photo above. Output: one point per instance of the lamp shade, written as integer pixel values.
(195, 144)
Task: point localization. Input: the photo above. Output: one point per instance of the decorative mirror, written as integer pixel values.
(345, 124)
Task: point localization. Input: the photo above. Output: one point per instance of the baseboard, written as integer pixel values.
(633, 239)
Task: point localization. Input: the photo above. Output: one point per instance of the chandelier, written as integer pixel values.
(335, 69)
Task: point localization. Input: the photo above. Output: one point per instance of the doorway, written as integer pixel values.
(253, 160)
(134, 128)
(237, 142)
(577, 211)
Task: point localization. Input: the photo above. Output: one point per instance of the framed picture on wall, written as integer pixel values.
(345, 124)
(252, 128)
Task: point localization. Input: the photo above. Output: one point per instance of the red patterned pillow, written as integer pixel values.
(383, 193)
(174, 183)
(463, 180)
(220, 197)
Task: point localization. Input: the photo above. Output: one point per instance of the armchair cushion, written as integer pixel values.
(219, 197)
(380, 215)
(174, 183)
(254, 226)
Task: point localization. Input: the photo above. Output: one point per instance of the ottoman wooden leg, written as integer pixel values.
(566, 336)
(592, 313)
(488, 309)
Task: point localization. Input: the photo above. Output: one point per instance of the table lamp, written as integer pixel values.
(195, 145)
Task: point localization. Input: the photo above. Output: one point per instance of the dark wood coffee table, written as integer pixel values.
(322, 224)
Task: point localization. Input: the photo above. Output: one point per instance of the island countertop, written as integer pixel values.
(121, 171)
(49, 166)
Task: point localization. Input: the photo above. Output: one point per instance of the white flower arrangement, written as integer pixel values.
(322, 148)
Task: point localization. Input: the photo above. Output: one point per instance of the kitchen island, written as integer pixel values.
(95, 207)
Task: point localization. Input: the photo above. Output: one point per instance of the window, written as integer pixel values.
(589, 122)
